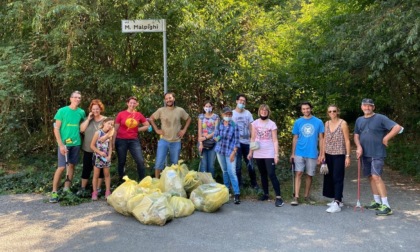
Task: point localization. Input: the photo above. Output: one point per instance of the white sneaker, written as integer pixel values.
(334, 208)
(332, 202)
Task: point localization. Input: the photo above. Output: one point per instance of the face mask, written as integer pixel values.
(240, 106)
(263, 117)
(227, 118)
(207, 109)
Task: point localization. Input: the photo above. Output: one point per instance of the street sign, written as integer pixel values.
(146, 25)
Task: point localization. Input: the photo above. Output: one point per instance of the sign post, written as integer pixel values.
(150, 25)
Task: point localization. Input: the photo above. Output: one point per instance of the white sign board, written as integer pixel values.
(145, 25)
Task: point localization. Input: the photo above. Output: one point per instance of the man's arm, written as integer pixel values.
(182, 132)
(57, 126)
(394, 131)
(321, 156)
(152, 122)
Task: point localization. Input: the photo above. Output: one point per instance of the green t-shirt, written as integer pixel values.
(70, 125)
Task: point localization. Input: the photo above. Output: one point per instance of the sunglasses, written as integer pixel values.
(332, 111)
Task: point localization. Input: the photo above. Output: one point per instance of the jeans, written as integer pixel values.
(88, 166)
(243, 152)
(164, 146)
(267, 170)
(229, 172)
(132, 145)
(207, 161)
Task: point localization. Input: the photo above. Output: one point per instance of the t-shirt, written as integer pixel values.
(70, 125)
(264, 137)
(208, 125)
(242, 121)
(129, 124)
(371, 132)
(89, 132)
(170, 119)
(307, 130)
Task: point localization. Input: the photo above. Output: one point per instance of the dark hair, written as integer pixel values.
(305, 103)
(170, 93)
(131, 98)
(105, 121)
(241, 95)
(208, 101)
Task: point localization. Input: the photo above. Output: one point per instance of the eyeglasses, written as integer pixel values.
(332, 111)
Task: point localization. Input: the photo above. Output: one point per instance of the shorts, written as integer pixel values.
(373, 166)
(308, 164)
(73, 153)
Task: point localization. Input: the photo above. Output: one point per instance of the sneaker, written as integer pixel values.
(81, 192)
(263, 197)
(236, 199)
(279, 202)
(341, 204)
(94, 195)
(334, 208)
(384, 211)
(373, 206)
(294, 202)
(54, 197)
(107, 193)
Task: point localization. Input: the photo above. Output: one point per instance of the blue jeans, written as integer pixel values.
(164, 146)
(207, 161)
(122, 146)
(229, 172)
(243, 152)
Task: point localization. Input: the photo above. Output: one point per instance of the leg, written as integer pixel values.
(271, 170)
(87, 168)
(135, 150)
(121, 146)
(231, 170)
(161, 152)
(223, 165)
(73, 158)
(311, 164)
(174, 152)
(308, 184)
(57, 178)
(96, 171)
(299, 168)
(211, 156)
(338, 169)
(263, 172)
(328, 186)
(70, 173)
(239, 166)
(203, 161)
(107, 178)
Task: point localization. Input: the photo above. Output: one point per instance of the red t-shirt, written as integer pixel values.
(129, 124)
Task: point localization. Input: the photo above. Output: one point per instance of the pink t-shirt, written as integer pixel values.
(264, 137)
(129, 124)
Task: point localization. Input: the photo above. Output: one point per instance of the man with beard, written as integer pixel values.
(308, 133)
(170, 132)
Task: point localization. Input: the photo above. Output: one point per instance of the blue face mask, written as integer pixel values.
(240, 106)
(227, 118)
(207, 109)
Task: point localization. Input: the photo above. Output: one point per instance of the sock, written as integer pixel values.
(377, 198)
(385, 201)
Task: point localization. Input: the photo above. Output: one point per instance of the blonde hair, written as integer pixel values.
(264, 106)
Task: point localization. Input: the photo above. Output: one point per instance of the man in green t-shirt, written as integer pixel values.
(67, 134)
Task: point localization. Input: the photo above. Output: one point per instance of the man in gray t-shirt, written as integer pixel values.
(371, 135)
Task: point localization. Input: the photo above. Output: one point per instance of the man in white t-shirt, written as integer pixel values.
(243, 119)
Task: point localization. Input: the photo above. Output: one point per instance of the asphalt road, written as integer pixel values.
(28, 223)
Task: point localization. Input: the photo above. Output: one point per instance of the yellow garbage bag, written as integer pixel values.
(154, 209)
(206, 177)
(172, 183)
(134, 201)
(149, 182)
(182, 207)
(209, 197)
(180, 168)
(119, 197)
(191, 181)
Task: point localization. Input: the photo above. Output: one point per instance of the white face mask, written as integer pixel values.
(227, 118)
(208, 109)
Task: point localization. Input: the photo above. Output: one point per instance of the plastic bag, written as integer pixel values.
(120, 196)
(154, 209)
(172, 183)
(149, 182)
(182, 207)
(324, 168)
(191, 181)
(180, 168)
(209, 197)
(134, 201)
(206, 177)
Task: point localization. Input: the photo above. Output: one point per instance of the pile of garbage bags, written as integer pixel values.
(178, 193)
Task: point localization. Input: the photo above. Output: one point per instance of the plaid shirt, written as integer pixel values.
(227, 138)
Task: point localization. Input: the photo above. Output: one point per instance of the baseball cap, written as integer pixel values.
(227, 110)
(368, 101)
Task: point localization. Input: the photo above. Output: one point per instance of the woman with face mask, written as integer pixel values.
(207, 123)
(227, 137)
(264, 131)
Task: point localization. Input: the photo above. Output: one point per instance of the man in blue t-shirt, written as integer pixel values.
(372, 133)
(308, 133)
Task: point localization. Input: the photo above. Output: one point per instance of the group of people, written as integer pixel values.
(232, 137)
(312, 147)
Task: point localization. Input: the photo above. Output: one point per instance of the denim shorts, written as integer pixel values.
(73, 153)
(308, 164)
(373, 166)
